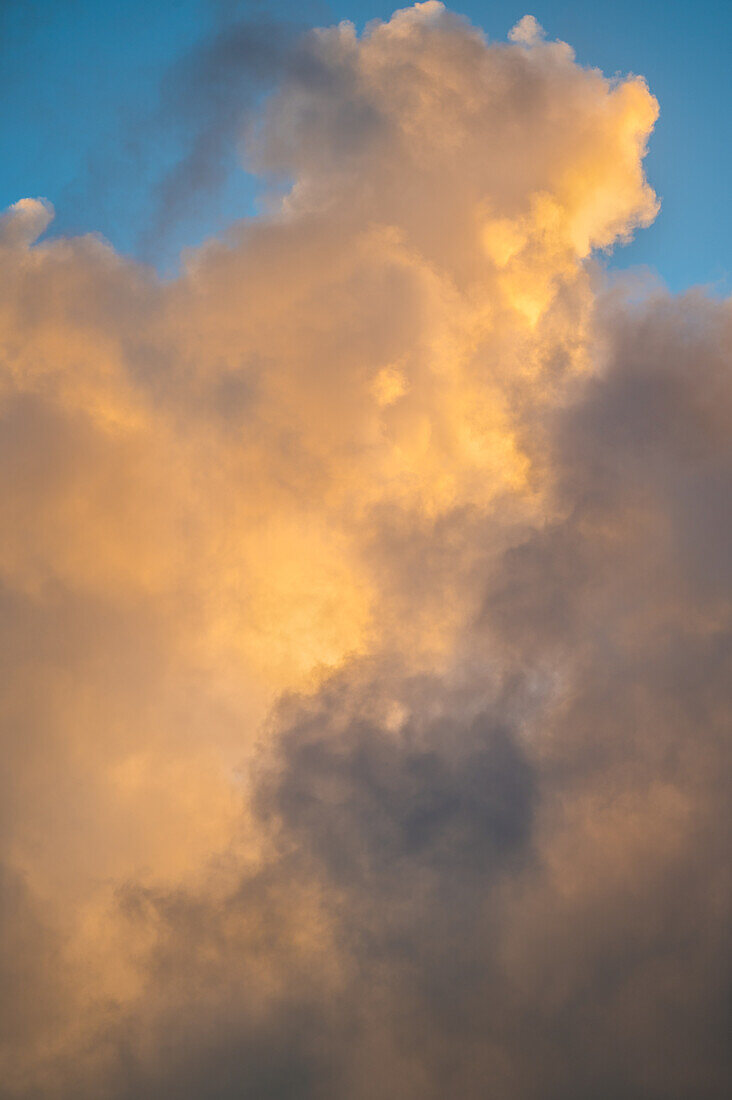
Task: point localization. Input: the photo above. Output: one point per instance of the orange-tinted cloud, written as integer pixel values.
(365, 612)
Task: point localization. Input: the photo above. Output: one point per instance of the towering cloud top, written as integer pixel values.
(422, 124)
(365, 611)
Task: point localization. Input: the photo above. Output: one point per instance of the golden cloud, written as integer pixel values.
(363, 631)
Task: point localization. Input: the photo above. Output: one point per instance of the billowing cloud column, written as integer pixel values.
(365, 613)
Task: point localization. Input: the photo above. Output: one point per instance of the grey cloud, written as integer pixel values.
(208, 95)
(444, 792)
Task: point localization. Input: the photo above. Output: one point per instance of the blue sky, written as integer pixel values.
(88, 116)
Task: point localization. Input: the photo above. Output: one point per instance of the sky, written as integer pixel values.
(87, 122)
(365, 586)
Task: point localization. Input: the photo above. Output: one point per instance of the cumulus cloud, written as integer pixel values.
(365, 611)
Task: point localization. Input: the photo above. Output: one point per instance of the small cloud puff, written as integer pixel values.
(24, 222)
(527, 32)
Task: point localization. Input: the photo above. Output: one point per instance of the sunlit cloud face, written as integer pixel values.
(365, 612)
